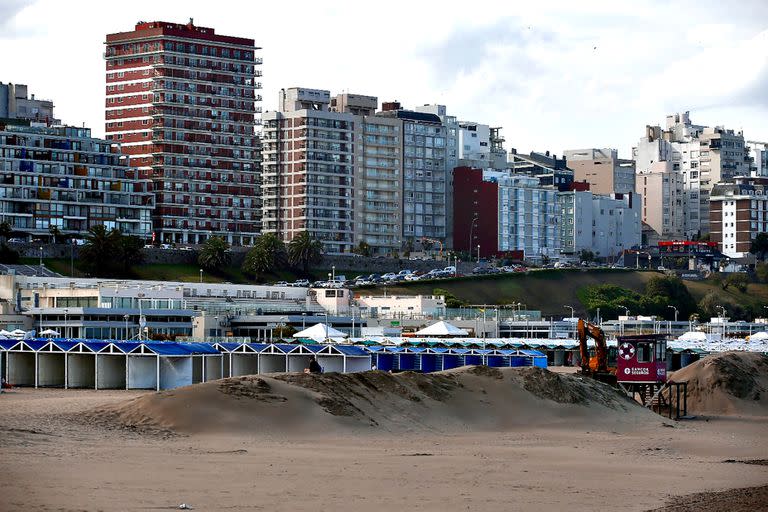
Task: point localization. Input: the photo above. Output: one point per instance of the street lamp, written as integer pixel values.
(572, 310)
(303, 321)
(201, 275)
(333, 272)
(478, 254)
(673, 307)
(65, 322)
(41, 261)
(326, 326)
(142, 320)
(125, 334)
(471, 234)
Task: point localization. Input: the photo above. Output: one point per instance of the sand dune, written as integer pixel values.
(730, 383)
(461, 400)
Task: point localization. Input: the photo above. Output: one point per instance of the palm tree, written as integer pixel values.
(101, 248)
(130, 251)
(268, 254)
(214, 254)
(303, 250)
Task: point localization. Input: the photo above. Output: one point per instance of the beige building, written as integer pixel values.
(661, 190)
(308, 170)
(605, 172)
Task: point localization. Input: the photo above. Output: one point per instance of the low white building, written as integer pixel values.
(401, 306)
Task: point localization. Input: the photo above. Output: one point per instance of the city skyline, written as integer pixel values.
(557, 77)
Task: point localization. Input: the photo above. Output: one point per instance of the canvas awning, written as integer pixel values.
(442, 328)
(320, 332)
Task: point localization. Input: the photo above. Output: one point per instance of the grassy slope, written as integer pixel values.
(547, 290)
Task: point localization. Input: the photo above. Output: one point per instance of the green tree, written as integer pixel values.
(587, 255)
(55, 233)
(214, 254)
(709, 307)
(664, 291)
(6, 230)
(101, 249)
(451, 301)
(759, 246)
(129, 251)
(304, 250)
(268, 254)
(363, 249)
(738, 280)
(761, 271)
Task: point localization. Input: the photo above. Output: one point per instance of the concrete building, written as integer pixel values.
(738, 212)
(602, 169)
(15, 104)
(475, 212)
(661, 190)
(602, 224)
(113, 309)
(550, 170)
(308, 170)
(528, 217)
(379, 185)
(60, 177)
(758, 155)
(400, 306)
(181, 100)
(474, 141)
(425, 176)
(701, 156)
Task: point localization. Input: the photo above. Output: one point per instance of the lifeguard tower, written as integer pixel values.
(641, 371)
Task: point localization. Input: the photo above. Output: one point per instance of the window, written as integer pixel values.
(644, 353)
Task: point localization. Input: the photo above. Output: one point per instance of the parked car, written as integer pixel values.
(301, 283)
(281, 283)
(389, 276)
(16, 241)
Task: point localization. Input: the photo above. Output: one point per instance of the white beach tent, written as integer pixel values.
(693, 336)
(442, 328)
(49, 333)
(758, 336)
(320, 332)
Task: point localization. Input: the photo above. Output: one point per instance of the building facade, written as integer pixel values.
(549, 169)
(528, 218)
(661, 192)
(308, 170)
(181, 100)
(602, 169)
(425, 176)
(701, 156)
(603, 224)
(15, 104)
(475, 212)
(758, 154)
(61, 179)
(738, 212)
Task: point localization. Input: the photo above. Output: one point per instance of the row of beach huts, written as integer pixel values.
(109, 364)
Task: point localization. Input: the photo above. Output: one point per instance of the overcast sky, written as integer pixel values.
(555, 75)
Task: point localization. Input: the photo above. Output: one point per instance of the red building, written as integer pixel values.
(181, 101)
(475, 212)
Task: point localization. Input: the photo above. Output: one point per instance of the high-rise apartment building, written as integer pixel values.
(661, 192)
(605, 172)
(60, 177)
(308, 170)
(181, 101)
(758, 155)
(425, 181)
(701, 156)
(549, 169)
(15, 104)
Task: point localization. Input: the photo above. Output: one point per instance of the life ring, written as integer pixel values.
(626, 351)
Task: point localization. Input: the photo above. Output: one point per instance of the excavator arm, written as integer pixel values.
(600, 363)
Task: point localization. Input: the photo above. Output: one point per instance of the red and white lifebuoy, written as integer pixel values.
(626, 351)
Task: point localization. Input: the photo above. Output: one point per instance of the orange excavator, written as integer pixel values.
(595, 367)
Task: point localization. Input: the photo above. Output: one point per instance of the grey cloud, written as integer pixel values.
(9, 9)
(466, 49)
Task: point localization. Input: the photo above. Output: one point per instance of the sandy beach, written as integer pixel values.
(57, 453)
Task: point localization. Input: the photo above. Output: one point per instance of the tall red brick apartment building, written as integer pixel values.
(181, 101)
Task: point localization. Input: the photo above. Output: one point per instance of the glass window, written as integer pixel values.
(644, 353)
